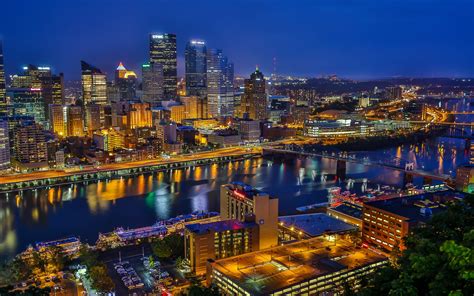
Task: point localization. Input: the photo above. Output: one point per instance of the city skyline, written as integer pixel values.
(348, 40)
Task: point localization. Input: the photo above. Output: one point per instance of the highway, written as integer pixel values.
(224, 152)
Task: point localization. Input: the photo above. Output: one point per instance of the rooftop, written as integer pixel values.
(263, 272)
(349, 209)
(218, 226)
(411, 207)
(245, 189)
(315, 224)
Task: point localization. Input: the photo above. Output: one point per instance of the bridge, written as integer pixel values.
(15, 182)
(407, 168)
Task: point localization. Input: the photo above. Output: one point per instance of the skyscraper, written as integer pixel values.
(41, 79)
(27, 102)
(220, 90)
(57, 119)
(75, 121)
(30, 146)
(152, 84)
(126, 83)
(196, 68)
(163, 51)
(4, 146)
(254, 101)
(94, 87)
(3, 100)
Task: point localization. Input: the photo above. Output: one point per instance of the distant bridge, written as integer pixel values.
(408, 168)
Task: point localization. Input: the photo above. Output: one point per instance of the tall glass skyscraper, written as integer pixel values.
(163, 51)
(3, 103)
(94, 89)
(196, 68)
(220, 86)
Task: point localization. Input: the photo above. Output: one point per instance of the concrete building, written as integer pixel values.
(254, 101)
(250, 130)
(4, 145)
(238, 200)
(30, 146)
(75, 121)
(465, 178)
(218, 240)
(386, 222)
(58, 120)
(316, 266)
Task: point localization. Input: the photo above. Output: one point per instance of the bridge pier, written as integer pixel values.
(407, 178)
(341, 169)
(467, 144)
(427, 181)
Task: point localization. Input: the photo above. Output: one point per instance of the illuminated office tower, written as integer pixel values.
(254, 101)
(196, 68)
(163, 51)
(152, 84)
(126, 83)
(3, 97)
(132, 115)
(194, 107)
(239, 201)
(27, 102)
(220, 90)
(57, 119)
(94, 87)
(4, 146)
(30, 146)
(75, 121)
(41, 79)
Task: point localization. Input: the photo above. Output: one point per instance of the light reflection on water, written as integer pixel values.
(86, 209)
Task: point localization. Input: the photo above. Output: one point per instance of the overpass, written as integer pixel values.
(408, 168)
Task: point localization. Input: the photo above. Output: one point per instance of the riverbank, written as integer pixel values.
(379, 142)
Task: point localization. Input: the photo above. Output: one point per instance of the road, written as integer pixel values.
(233, 151)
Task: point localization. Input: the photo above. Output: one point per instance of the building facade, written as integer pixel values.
(94, 88)
(163, 51)
(254, 101)
(196, 68)
(3, 98)
(238, 201)
(220, 90)
(152, 84)
(218, 240)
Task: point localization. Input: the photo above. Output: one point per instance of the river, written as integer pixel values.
(84, 210)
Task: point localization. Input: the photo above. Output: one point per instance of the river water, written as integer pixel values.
(84, 210)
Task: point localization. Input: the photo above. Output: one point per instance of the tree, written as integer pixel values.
(171, 246)
(197, 289)
(161, 249)
(438, 259)
(100, 279)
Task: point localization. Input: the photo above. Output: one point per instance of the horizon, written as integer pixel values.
(361, 41)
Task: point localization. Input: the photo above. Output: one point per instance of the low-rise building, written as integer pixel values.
(218, 240)
(386, 222)
(465, 178)
(316, 266)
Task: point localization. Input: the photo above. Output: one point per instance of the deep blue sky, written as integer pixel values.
(350, 38)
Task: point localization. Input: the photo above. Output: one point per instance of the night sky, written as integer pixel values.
(350, 38)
